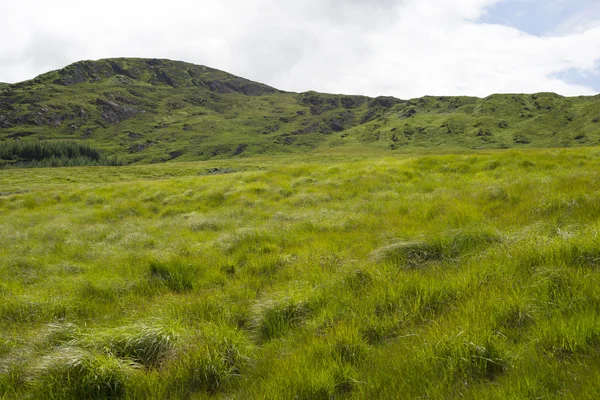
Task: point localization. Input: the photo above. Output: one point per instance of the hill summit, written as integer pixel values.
(151, 110)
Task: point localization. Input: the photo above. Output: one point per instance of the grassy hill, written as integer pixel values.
(322, 249)
(332, 276)
(148, 110)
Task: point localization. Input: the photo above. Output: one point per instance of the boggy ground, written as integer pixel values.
(308, 277)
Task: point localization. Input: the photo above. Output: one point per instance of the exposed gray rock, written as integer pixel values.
(341, 121)
(384, 102)
(114, 113)
(270, 129)
(240, 149)
(84, 71)
(175, 154)
(135, 148)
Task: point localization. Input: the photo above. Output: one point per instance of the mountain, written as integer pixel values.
(150, 110)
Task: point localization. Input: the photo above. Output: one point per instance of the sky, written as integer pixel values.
(401, 48)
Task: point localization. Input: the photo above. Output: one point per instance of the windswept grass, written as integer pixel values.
(177, 275)
(334, 276)
(75, 374)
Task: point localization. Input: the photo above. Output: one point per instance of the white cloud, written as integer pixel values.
(404, 48)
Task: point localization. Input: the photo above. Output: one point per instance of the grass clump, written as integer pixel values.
(72, 373)
(276, 318)
(516, 315)
(461, 360)
(347, 345)
(438, 249)
(209, 362)
(577, 335)
(146, 345)
(18, 311)
(177, 275)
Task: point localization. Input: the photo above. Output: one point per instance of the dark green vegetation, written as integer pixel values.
(50, 153)
(144, 110)
(332, 276)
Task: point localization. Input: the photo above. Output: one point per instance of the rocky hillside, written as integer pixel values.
(148, 110)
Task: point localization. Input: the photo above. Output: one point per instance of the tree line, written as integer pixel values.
(41, 153)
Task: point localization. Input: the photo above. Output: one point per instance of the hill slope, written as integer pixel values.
(148, 110)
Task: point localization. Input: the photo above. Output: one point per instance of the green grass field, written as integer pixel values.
(334, 275)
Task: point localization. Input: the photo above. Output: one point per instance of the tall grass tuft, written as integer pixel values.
(439, 248)
(147, 345)
(462, 360)
(73, 373)
(208, 362)
(177, 275)
(275, 319)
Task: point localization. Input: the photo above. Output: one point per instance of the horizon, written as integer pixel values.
(401, 48)
(289, 91)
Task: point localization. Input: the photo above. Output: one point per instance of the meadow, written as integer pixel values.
(333, 275)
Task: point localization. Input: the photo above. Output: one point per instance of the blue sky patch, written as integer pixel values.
(550, 18)
(543, 17)
(578, 77)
